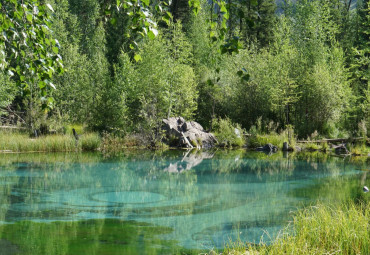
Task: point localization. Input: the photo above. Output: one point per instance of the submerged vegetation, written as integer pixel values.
(319, 229)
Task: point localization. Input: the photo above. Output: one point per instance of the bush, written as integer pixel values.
(90, 142)
(228, 134)
(257, 140)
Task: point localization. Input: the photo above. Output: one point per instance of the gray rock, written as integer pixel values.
(268, 148)
(186, 134)
(184, 142)
(297, 148)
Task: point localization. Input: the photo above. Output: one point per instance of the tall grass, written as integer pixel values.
(17, 142)
(320, 229)
(276, 139)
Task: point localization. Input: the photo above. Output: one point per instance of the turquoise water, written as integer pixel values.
(156, 203)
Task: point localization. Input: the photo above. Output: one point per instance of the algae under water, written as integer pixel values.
(174, 202)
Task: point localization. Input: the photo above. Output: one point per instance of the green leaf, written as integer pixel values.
(55, 50)
(152, 33)
(137, 58)
(145, 2)
(113, 21)
(29, 17)
(223, 8)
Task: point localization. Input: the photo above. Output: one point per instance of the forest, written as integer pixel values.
(261, 64)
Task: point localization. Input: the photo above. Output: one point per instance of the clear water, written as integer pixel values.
(160, 202)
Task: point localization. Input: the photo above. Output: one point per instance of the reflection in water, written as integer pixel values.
(189, 161)
(159, 202)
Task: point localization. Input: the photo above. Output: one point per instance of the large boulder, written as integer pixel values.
(186, 134)
(268, 148)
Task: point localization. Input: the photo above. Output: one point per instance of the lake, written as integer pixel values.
(143, 202)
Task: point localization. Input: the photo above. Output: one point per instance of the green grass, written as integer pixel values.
(321, 229)
(359, 149)
(273, 138)
(17, 142)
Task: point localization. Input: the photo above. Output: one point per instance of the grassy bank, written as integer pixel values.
(18, 142)
(320, 229)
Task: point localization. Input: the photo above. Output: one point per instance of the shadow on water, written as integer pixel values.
(105, 236)
(163, 202)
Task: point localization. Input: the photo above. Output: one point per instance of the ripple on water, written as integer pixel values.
(129, 197)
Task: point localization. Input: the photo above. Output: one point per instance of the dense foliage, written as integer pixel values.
(128, 64)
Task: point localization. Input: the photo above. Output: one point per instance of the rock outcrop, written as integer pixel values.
(268, 148)
(186, 134)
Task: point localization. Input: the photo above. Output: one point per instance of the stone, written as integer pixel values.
(184, 142)
(237, 133)
(186, 134)
(297, 148)
(365, 189)
(268, 148)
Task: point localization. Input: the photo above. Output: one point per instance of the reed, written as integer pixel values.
(17, 142)
(320, 229)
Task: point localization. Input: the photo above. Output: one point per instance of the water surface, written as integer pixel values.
(160, 202)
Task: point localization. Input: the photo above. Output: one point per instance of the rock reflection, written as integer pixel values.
(189, 161)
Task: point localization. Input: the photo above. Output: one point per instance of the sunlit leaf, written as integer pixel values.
(137, 58)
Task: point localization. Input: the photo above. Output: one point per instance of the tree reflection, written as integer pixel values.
(166, 200)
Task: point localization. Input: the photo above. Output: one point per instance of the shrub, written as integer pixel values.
(277, 139)
(90, 142)
(228, 134)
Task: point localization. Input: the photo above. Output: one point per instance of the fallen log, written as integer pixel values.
(336, 140)
(12, 127)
